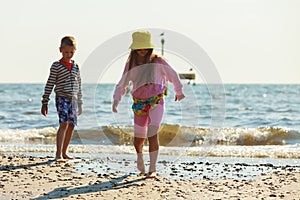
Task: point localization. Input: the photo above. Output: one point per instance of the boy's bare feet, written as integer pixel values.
(60, 159)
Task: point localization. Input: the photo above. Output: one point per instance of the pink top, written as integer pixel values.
(148, 80)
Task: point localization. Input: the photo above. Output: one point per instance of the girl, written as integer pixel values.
(148, 74)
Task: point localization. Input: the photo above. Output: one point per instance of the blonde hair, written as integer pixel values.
(68, 41)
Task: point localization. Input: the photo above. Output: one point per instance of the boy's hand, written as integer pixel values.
(79, 110)
(179, 97)
(114, 106)
(44, 110)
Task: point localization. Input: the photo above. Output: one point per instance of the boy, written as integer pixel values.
(65, 75)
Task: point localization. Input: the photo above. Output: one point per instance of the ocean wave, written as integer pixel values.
(176, 135)
(169, 135)
(29, 135)
(271, 151)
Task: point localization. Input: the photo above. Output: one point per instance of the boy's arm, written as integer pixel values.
(79, 95)
(49, 85)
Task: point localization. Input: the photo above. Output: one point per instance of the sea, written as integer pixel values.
(230, 120)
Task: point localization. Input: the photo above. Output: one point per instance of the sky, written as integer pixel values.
(249, 41)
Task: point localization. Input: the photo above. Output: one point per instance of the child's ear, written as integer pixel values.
(60, 49)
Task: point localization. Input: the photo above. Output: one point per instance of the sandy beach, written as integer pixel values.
(31, 177)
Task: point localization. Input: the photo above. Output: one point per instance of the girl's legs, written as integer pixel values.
(148, 124)
(138, 144)
(155, 118)
(140, 129)
(153, 149)
(68, 136)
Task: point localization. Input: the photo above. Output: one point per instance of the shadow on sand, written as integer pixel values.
(115, 183)
(26, 166)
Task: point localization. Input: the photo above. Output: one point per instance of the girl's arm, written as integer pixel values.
(122, 85)
(172, 76)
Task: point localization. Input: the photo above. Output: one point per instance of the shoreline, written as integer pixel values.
(176, 166)
(40, 177)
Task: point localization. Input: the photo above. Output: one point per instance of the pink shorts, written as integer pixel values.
(152, 118)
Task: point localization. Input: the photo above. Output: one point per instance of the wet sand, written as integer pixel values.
(32, 177)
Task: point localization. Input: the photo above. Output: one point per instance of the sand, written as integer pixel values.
(28, 177)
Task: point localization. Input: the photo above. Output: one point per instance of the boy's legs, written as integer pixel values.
(67, 113)
(60, 139)
(67, 139)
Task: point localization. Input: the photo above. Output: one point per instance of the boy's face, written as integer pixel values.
(67, 52)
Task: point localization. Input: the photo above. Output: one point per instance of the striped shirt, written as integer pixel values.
(67, 83)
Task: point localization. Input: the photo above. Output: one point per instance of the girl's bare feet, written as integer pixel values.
(151, 175)
(68, 157)
(140, 164)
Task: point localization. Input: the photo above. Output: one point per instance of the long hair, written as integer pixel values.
(132, 59)
(145, 76)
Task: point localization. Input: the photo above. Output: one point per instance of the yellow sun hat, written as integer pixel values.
(141, 40)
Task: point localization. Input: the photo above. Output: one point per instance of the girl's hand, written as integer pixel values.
(114, 106)
(79, 110)
(179, 97)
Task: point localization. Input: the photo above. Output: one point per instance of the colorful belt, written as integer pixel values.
(142, 106)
